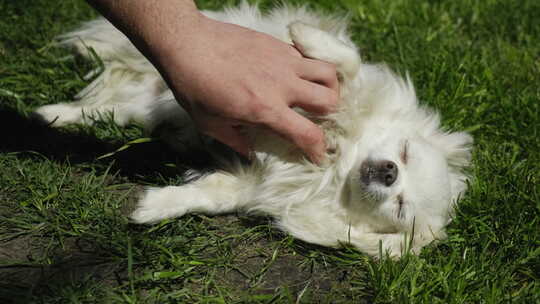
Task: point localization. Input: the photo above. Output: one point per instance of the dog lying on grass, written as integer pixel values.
(391, 178)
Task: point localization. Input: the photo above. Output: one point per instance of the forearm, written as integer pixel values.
(147, 23)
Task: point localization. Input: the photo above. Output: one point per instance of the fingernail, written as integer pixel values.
(318, 158)
(321, 154)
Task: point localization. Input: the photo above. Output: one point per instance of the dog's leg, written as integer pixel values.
(212, 194)
(119, 92)
(127, 85)
(318, 44)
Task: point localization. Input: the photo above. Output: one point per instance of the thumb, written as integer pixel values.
(227, 133)
(302, 132)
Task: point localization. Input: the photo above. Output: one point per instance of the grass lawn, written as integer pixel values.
(64, 237)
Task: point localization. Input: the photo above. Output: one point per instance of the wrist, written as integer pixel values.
(161, 29)
(153, 26)
(171, 50)
(166, 39)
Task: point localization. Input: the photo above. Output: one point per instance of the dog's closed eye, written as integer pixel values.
(400, 203)
(404, 156)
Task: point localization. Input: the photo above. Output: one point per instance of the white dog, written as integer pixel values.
(391, 178)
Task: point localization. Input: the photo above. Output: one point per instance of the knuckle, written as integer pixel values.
(248, 107)
(260, 112)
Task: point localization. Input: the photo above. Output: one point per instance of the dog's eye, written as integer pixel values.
(404, 152)
(400, 203)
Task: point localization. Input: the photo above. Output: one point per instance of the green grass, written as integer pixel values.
(64, 237)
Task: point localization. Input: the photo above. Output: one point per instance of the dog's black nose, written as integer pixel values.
(383, 171)
(388, 172)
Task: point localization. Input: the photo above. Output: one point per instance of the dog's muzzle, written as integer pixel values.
(384, 172)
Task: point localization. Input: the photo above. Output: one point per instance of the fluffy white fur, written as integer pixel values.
(351, 198)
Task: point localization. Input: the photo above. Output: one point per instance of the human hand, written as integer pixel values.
(229, 77)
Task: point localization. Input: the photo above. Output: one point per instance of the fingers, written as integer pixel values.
(289, 124)
(318, 71)
(315, 98)
(301, 132)
(318, 90)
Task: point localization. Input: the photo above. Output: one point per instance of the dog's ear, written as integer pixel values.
(318, 44)
(457, 148)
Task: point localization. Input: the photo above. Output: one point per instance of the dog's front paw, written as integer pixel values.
(307, 38)
(157, 204)
(318, 44)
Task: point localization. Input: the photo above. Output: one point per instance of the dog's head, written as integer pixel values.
(404, 174)
(404, 178)
(407, 173)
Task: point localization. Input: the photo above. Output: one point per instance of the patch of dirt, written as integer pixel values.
(255, 271)
(24, 274)
(262, 266)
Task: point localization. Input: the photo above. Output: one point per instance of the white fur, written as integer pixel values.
(327, 205)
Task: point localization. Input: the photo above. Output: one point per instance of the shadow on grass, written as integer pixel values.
(80, 268)
(88, 268)
(150, 162)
